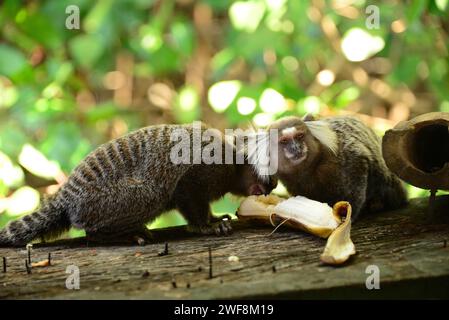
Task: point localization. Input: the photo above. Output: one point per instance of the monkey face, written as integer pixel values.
(292, 144)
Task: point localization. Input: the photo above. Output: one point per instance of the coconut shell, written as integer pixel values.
(417, 150)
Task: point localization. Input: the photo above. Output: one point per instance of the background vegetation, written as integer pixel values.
(136, 63)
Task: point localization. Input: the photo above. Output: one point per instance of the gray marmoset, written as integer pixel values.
(126, 183)
(336, 159)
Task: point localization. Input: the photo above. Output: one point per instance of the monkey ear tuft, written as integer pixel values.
(258, 153)
(322, 131)
(309, 117)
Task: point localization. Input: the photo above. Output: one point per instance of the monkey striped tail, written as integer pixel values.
(49, 220)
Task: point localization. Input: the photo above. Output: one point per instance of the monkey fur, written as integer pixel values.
(334, 159)
(128, 182)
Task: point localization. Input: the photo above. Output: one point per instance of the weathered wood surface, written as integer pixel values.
(407, 245)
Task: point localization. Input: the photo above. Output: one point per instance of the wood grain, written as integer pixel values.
(407, 245)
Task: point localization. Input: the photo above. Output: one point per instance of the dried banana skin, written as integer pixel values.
(339, 247)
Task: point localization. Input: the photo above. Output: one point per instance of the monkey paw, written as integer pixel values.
(143, 236)
(220, 228)
(220, 218)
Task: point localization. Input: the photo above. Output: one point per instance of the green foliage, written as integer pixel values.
(63, 91)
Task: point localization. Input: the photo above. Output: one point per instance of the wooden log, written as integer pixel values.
(408, 246)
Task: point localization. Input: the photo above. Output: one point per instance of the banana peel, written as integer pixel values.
(258, 207)
(299, 212)
(308, 215)
(339, 246)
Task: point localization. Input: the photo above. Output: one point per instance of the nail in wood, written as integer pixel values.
(210, 264)
(29, 254)
(4, 264)
(165, 252)
(49, 258)
(28, 267)
(146, 274)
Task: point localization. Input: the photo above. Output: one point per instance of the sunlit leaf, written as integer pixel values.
(246, 15)
(8, 95)
(22, 201)
(310, 104)
(347, 96)
(187, 108)
(271, 101)
(35, 162)
(11, 175)
(221, 94)
(442, 4)
(358, 45)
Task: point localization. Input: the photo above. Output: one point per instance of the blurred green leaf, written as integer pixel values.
(86, 49)
(347, 96)
(12, 61)
(415, 9)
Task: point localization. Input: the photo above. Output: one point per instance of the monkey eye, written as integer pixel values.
(299, 135)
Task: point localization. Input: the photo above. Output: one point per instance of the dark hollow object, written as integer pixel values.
(49, 258)
(4, 264)
(417, 150)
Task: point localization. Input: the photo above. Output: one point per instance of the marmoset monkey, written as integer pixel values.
(126, 183)
(336, 159)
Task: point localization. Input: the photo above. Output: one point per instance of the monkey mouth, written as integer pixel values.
(256, 190)
(297, 156)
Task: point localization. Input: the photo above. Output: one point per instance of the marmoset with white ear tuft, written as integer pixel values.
(335, 159)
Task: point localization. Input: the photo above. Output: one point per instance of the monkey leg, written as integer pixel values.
(357, 197)
(197, 213)
(386, 194)
(138, 235)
